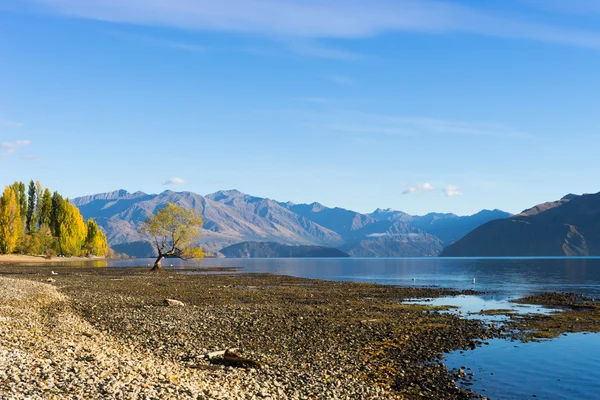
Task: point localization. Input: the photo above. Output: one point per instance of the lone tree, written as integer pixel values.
(174, 231)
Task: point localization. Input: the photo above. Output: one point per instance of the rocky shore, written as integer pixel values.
(99, 333)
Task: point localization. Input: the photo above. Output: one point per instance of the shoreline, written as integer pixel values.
(313, 339)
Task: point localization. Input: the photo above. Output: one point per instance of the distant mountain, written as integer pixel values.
(232, 217)
(450, 227)
(567, 227)
(139, 249)
(278, 250)
(390, 245)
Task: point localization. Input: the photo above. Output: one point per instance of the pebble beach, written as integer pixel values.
(75, 333)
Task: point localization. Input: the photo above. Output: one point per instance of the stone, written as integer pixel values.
(174, 303)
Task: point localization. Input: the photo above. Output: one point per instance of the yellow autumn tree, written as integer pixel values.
(95, 243)
(72, 232)
(173, 231)
(10, 221)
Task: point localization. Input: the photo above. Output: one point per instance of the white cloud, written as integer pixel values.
(174, 181)
(31, 157)
(421, 187)
(452, 190)
(11, 124)
(328, 19)
(10, 147)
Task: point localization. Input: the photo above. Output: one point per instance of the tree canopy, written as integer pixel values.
(10, 221)
(39, 223)
(173, 231)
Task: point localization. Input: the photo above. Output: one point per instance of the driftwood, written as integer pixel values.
(218, 353)
(229, 358)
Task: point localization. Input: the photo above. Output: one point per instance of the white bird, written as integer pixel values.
(53, 273)
(414, 279)
(473, 280)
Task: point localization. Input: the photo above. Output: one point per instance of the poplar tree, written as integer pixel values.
(19, 189)
(45, 212)
(30, 219)
(72, 230)
(39, 192)
(10, 221)
(95, 244)
(56, 213)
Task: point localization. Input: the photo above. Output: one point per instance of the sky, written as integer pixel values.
(415, 105)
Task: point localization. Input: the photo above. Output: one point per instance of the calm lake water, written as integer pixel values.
(563, 368)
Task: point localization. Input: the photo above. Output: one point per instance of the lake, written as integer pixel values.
(564, 368)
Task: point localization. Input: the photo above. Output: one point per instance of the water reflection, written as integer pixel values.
(507, 276)
(564, 368)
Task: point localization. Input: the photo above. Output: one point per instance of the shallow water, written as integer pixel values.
(564, 368)
(471, 306)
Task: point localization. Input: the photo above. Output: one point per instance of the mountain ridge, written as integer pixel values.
(232, 217)
(569, 226)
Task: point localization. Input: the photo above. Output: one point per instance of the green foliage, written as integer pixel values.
(30, 222)
(44, 215)
(10, 221)
(56, 213)
(174, 231)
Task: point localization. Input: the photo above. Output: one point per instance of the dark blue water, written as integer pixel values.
(563, 368)
(506, 276)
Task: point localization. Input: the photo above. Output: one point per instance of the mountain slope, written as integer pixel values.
(568, 227)
(278, 250)
(227, 220)
(232, 217)
(450, 227)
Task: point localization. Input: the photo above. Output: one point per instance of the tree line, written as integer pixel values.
(35, 221)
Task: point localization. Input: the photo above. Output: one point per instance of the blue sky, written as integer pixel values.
(415, 105)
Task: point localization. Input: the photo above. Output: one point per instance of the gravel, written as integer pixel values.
(98, 333)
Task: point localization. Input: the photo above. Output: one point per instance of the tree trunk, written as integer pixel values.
(157, 266)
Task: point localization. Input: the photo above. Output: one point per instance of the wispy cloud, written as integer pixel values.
(396, 235)
(421, 187)
(452, 190)
(316, 100)
(331, 19)
(174, 181)
(12, 124)
(31, 157)
(571, 6)
(360, 122)
(159, 42)
(313, 48)
(339, 79)
(8, 148)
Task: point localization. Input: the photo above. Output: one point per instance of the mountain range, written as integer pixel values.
(232, 217)
(566, 227)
